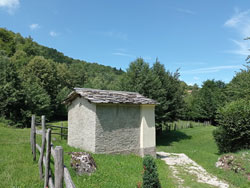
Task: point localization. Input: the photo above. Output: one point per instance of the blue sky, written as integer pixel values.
(202, 38)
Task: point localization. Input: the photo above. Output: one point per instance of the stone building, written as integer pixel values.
(104, 121)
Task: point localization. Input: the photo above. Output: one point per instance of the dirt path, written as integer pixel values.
(177, 160)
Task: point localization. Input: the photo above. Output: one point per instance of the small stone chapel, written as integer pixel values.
(105, 121)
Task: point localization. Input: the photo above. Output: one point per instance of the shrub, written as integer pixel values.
(191, 125)
(150, 175)
(234, 126)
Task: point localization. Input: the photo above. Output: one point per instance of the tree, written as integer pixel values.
(191, 104)
(45, 73)
(150, 174)
(37, 101)
(78, 74)
(30, 47)
(140, 78)
(158, 84)
(234, 126)
(11, 95)
(20, 59)
(210, 98)
(169, 95)
(239, 87)
(61, 110)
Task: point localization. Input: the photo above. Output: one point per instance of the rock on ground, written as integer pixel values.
(82, 163)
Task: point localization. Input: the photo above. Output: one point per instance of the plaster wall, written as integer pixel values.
(81, 124)
(117, 128)
(147, 131)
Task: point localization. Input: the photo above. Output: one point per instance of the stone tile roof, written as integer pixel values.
(108, 96)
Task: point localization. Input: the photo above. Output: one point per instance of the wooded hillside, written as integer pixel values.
(35, 79)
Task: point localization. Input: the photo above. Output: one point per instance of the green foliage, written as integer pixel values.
(158, 84)
(78, 77)
(234, 131)
(169, 95)
(203, 103)
(36, 79)
(7, 42)
(140, 78)
(150, 175)
(37, 100)
(211, 97)
(11, 95)
(239, 87)
(61, 110)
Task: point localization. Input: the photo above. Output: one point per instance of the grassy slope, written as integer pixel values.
(199, 145)
(18, 170)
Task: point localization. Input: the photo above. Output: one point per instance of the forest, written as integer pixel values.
(35, 79)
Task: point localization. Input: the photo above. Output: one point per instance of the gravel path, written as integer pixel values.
(175, 160)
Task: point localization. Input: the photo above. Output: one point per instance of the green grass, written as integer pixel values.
(17, 170)
(199, 145)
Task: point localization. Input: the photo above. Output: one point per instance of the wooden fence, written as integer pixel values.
(61, 128)
(61, 173)
(174, 126)
(56, 127)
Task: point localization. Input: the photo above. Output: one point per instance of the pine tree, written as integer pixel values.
(150, 175)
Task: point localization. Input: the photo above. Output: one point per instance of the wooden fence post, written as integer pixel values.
(40, 162)
(59, 167)
(33, 137)
(61, 130)
(47, 160)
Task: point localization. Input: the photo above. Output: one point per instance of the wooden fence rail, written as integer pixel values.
(61, 173)
(54, 127)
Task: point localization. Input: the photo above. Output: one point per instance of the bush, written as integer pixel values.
(150, 175)
(234, 126)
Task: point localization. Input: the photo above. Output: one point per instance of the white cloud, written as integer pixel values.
(10, 5)
(121, 50)
(240, 22)
(34, 26)
(211, 69)
(123, 54)
(186, 11)
(147, 58)
(243, 47)
(190, 63)
(196, 78)
(115, 34)
(53, 33)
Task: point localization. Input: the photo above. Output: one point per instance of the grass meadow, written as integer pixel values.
(17, 170)
(198, 144)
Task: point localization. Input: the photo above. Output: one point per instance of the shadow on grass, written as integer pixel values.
(168, 137)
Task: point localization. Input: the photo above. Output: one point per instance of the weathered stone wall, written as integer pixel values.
(81, 124)
(117, 128)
